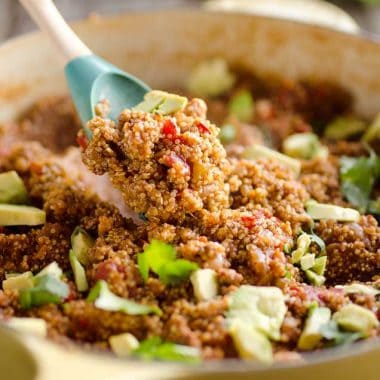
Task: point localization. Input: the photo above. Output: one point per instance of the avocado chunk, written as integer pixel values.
(123, 345)
(152, 100)
(15, 215)
(320, 211)
(81, 242)
(307, 261)
(242, 106)
(52, 269)
(161, 101)
(311, 335)
(373, 131)
(303, 244)
(304, 146)
(227, 134)
(12, 189)
(255, 152)
(211, 78)
(79, 273)
(35, 326)
(344, 127)
(250, 343)
(205, 284)
(356, 318)
(172, 104)
(315, 278)
(19, 281)
(359, 288)
(320, 265)
(261, 307)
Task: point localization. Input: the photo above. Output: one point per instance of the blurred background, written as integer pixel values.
(14, 21)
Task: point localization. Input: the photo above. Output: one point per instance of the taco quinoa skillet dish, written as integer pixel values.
(256, 240)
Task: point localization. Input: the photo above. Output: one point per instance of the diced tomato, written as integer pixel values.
(104, 269)
(82, 141)
(257, 217)
(202, 127)
(169, 129)
(173, 159)
(83, 323)
(36, 168)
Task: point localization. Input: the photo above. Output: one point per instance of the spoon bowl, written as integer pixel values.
(90, 78)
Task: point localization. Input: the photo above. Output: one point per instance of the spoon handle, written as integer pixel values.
(48, 18)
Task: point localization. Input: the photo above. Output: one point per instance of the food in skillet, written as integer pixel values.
(256, 240)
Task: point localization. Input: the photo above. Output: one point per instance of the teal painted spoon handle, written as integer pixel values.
(48, 18)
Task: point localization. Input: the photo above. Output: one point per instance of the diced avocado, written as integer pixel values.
(262, 307)
(311, 335)
(227, 134)
(14, 215)
(79, 273)
(255, 152)
(344, 127)
(52, 269)
(123, 344)
(211, 78)
(314, 278)
(152, 100)
(18, 282)
(307, 261)
(373, 131)
(81, 242)
(242, 106)
(303, 244)
(359, 288)
(320, 211)
(356, 318)
(250, 343)
(12, 189)
(172, 104)
(35, 326)
(322, 152)
(205, 284)
(320, 265)
(302, 145)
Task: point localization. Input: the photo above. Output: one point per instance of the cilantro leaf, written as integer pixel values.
(331, 332)
(358, 176)
(104, 299)
(154, 348)
(47, 289)
(160, 258)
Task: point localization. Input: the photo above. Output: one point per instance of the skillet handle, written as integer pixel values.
(48, 18)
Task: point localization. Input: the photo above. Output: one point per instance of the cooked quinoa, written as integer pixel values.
(240, 219)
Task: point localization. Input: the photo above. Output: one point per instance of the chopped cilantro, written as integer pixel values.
(104, 299)
(154, 348)
(160, 258)
(358, 176)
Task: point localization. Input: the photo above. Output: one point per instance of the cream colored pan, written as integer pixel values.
(162, 49)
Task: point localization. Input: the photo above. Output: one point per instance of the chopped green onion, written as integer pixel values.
(81, 242)
(155, 349)
(104, 299)
(242, 105)
(160, 258)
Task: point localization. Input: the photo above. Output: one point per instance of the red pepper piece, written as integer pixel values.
(173, 159)
(202, 127)
(169, 129)
(82, 141)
